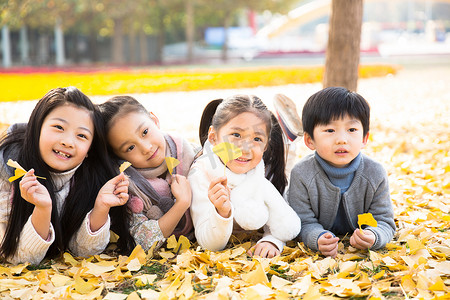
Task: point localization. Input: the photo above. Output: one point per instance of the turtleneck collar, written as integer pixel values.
(339, 172)
(340, 177)
(61, 178)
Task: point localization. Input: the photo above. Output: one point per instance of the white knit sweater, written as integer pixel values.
(256, 203)
(32, 247)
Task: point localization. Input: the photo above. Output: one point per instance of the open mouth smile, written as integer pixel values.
(59, 153)
(239, 159)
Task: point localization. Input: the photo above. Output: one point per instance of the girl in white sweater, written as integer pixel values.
(69, 209)
(243, 199)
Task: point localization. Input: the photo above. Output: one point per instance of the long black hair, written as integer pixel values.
(113, 109)
(219, 112)
(22, 144)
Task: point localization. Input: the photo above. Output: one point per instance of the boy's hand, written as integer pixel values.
(328, 244)
(362, 240)
(181, 190)
(34, 192)
(264, 249)
(219, 195)
(113, 193)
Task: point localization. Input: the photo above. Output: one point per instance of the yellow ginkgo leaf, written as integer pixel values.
(124, 166)
(178, 247)
(415, 245)
(82, 286)
(19, 170)
(256, 276)
(227, 151)
(17, 174)
(366, 219)
(171, 163)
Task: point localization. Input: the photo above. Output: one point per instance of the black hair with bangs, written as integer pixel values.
(334, 103)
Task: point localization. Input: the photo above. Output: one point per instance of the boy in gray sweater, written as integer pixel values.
(330, 188)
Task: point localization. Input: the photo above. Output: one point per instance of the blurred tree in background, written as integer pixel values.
(45, 31)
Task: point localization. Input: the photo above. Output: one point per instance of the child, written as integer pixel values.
(134, 135)
(243, 198)
(330, 188)
(69, 209)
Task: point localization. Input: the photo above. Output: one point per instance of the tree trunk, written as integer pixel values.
(161, 36)
(93, 46)
(118, 57)
(143, 49)
(342, 57)
(24, 46)
(59, 43)
(226, 26)
(133, 48)
(76, 54)
(6, 47)
(190, 30)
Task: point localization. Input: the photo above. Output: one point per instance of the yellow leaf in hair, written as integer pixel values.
(19, 170)
(124, 166)
(366, 219)
(171, 163)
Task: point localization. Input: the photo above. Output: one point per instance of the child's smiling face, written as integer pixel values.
(66, 136)
(249, 133)
(338, 142)
(136, 137)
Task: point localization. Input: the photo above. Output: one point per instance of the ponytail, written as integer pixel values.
(274, 157)
(206, 120)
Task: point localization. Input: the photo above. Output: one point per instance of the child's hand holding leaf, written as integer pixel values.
(364, 239)
(366, 219)
(227, 151)
(113, 193)
(34, 192)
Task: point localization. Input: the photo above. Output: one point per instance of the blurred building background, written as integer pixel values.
(145, 32)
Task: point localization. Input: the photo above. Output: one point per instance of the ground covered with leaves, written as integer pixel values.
(409, 136)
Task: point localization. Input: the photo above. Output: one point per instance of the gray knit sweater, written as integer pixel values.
(316, 200)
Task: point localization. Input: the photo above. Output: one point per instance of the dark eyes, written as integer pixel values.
(58, 127)
(130, 148)
(83, 136)
(332, 130)
(145, 132)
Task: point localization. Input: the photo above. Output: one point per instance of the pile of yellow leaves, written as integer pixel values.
(409, 135)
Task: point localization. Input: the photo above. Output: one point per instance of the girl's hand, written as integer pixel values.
(113, 193)
(181, 190)
(328, 244)
(264, 249)
(219, 195)
(34, 192)
(362, 240)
